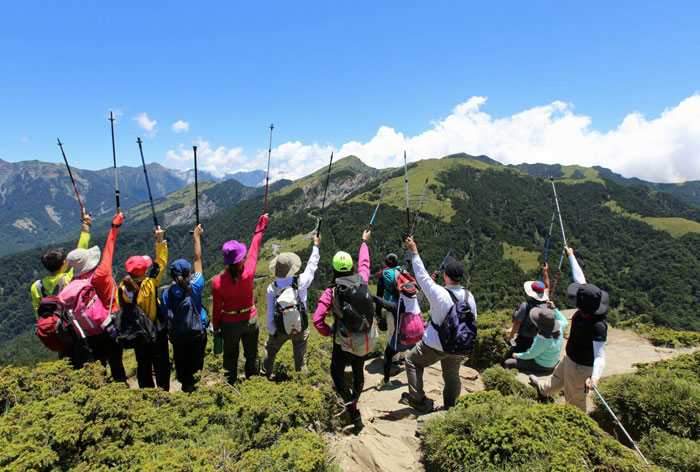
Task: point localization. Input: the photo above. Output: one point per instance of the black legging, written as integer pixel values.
(154, 357)
(106, 350)
(389, 353)
(339, 360)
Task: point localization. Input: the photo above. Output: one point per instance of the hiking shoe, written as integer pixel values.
(395, 370)
(535, 382)
(384, 383)
(425, 406)
(356, 419)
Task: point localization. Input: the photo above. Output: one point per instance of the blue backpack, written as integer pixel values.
(457, 332)
(184, 319)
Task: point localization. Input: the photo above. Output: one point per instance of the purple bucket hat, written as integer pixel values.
(234, 252)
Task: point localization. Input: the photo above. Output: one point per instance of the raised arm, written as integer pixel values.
(576, 271)
(545, 276)
(161, 255)
(363, 258)
(427, 284)
(307, 276)
(102, 279)
(197, 233)
(251, 260)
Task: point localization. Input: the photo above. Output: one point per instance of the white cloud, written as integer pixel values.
(181, 126)
(218, 160)
(663, 149)
(24, 139)
(149, 126)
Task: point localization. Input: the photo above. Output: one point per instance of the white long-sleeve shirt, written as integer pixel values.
(305, 280)
(598, 346)
(440, 301)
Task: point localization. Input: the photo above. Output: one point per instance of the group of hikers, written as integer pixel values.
(85, 315)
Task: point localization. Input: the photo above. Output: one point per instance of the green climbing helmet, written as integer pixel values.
(342, 262)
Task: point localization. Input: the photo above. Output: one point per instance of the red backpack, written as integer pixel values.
(53, 327)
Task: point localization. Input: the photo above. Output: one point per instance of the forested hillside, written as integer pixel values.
(475, 208)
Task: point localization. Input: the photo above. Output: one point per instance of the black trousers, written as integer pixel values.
(154, 358)
(106, 350)
(388, 354)
(234, 334)
(339, 360)
(78, 354)
(189, 359)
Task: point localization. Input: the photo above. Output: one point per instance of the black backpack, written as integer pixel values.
(134, 327)
(352, 303)
(184, 320)
(457, 332)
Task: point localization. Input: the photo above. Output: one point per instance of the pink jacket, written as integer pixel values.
(324, 303)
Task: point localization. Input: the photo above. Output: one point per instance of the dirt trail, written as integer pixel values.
(389, 443)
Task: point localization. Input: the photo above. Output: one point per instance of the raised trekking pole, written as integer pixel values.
(148, 185)
(556, 200)
(323, 202)
(269, 154)
(77, 195)
(420, 204)
(556, 277)
(196, 187)
(408, 211)
(114, 155)
(618, 423)
(381, 196)
(549, 238)
(437, 271)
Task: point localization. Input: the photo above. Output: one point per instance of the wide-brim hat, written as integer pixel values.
(588, 298)
(285, 265)
(536, 289)
(546, 322)
(83, 260)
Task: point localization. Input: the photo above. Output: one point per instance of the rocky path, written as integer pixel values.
(389, 443)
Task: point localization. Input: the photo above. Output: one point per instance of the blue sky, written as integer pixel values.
(331, 74)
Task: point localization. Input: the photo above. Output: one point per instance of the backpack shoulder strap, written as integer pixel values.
(295, 283)
(452, 296)
(40, 288)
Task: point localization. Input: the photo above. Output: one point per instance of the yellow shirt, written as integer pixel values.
(148, 291)
(50, 281)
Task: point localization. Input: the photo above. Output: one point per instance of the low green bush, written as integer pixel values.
(660, 336)
(491, 344)
(655, 398)
(671, 452)
(489, 432)
(504, 381)
(686, 366)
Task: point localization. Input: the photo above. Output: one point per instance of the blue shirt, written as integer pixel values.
(196, 283)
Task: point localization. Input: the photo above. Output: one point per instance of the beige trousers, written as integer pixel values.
(572, 378)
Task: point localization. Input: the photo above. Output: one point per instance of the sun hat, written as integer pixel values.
(83, 260)
(234, 252)
(285, 265)
(136, 266)
(180, 268)
(454, 269)
(342, 262)
(536, 289)
(546, 322)
(588, 298)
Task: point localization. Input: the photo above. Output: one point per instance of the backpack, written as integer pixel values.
(290, 314)
(352, 303)
(393, 290)
(410, 327)
(457, 332)
(184, 320)
(81, 300)
(134, 327)
(359, 343)
(52, 327)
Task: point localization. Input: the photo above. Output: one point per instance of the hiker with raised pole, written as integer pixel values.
(287, 317)
(186, 317)
(235, 317)
(355, 329)
(49, 314)
(93, 276)
(405, 321)
(449, 337)
(137, 321)
(584, 360)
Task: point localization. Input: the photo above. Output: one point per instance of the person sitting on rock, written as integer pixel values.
(584, 361)
(538, 294)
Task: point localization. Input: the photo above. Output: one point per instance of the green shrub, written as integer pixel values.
(685, 365)
(491, 345)
(660, 336)
(504, 381)
(669, 451)
(655, 398)
(489, 432)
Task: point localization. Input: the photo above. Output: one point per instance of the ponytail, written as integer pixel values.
(130, 285)
(182, 283)
(234, 272)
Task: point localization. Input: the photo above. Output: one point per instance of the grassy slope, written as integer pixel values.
(526, 260)
(677, 227)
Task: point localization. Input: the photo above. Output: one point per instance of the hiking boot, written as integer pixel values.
(424, 406)
(535, 382)
(384, 383)
(356, 420)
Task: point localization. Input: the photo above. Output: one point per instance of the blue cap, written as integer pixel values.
(180, 267)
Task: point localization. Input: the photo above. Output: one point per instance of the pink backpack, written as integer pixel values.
(80, 298)
(411, 328)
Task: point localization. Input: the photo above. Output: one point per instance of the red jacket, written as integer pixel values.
(237, 297)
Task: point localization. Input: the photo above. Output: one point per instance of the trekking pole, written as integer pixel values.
(618, 423)
(549, 238)
(82, 208)
(408, 212)
(381, 196)
(420, 204)
(444, 260)
(556, 199)
(196, 189)
(148, 185)
(269, 154)
(323, 202)
(114, 155)
(556, 277)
